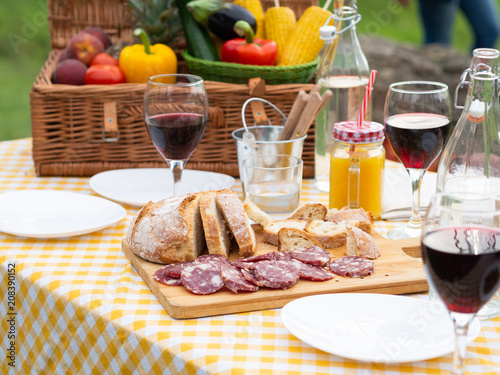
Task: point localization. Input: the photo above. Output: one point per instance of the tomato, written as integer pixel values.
(104, 75)
(104, 58)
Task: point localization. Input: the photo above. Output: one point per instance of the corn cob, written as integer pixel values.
(280, 23)
(255, 7)
(304, 44)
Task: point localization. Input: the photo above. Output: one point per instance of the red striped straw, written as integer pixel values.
(366, 98)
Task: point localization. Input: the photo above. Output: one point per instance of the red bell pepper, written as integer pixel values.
(249, 50)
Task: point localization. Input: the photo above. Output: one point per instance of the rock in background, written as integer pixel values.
(395, 61)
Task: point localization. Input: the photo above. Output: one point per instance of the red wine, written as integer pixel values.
(463, 264)
(417, 139)
(176, 135)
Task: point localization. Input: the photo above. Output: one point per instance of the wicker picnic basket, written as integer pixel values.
(83, 130)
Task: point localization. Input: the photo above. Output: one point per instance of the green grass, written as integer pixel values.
(24, 46)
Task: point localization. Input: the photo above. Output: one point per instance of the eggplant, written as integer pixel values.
(221, 23)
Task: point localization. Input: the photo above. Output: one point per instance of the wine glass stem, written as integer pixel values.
(461, 323)
(416, 176)
(177, 166)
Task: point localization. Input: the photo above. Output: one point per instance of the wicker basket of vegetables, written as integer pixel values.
(80, 130)
(235, 41)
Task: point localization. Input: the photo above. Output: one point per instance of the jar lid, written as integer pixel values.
(350, 132)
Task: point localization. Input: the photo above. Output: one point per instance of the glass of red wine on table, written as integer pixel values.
(176, 113)
(461, 255)
(417, 117)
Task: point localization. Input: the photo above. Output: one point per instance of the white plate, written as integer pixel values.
(52, 214)
(137, 187)
(373, 327)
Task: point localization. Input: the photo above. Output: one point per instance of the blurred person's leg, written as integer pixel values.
(484, 20)
(438, 17)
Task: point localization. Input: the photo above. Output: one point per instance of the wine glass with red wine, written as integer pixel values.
(417, 117)
(461, 255)
(176, 113)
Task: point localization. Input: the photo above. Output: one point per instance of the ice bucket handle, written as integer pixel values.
(260, 100)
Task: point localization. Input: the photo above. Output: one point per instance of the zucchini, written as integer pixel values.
(198, 41)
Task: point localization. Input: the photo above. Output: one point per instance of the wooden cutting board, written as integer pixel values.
(397, 271)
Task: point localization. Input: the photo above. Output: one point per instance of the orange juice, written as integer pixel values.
(352, 162)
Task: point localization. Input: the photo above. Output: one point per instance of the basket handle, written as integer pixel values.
(260, 100)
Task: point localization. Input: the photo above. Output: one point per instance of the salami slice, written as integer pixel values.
(284, 256)
(174, 270)
(244, 265)
(167, 280)
(352, 267)
(214, 259)
(271, 255)
(277, 274)
(313, 255)
(202, 278)
(234, 280)
(312, 273)
(250, 276)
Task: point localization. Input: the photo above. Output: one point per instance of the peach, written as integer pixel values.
(100, 34)
(70, 72)
(84, 47)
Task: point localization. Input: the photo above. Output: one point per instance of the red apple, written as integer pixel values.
(84, 47)
(100, 34)
(70, 72)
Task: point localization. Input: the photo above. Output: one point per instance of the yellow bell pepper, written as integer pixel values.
(141, 61)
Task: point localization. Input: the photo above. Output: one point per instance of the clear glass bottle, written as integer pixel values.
(357, 166)
(471, 159)
(344, 70)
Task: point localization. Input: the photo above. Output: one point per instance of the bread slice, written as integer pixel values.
(361, 244)
(234, 213)
(290, 239)
(217, 232)
(365, 219)
(329, 235)
(256, 214)
(169, 230)
(310, 211)
(272, 228)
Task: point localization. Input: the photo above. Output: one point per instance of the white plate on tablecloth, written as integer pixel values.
(136, 187)
(373, 327)
(53, 214)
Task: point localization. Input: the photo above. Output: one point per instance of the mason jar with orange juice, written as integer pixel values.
(357, 166)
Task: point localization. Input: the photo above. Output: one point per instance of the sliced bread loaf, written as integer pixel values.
(234, 213)
(290, 239)
(217, 231)
(169, 230)
(272, 228)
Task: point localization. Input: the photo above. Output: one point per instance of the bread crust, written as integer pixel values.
(272, 228)
(290, 239)
(237, 219)
(217, 232)
(365, 219)
(310, 211)
(164, 232)
(361, 244)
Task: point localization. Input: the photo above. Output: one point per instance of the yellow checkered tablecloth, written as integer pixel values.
(80, 307)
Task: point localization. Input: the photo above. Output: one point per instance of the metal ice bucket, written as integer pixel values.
(263, 140)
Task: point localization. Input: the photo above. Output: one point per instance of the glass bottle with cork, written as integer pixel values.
(471, 159)
(344, 70)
